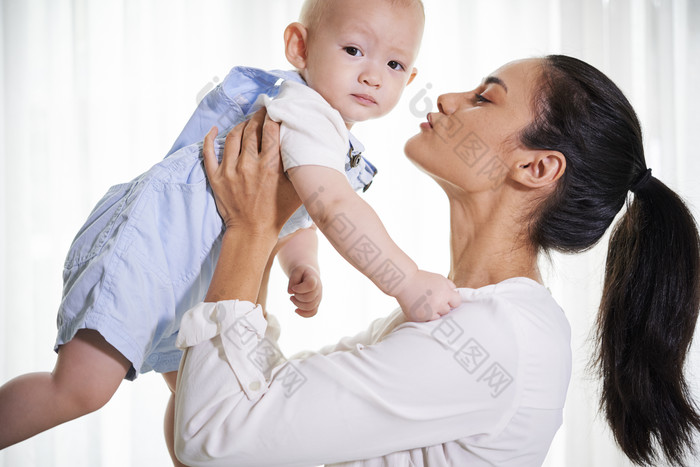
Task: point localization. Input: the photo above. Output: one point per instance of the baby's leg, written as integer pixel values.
(169, 423)
(88, 371)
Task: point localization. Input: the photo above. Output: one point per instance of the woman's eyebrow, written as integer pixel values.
(496, 80)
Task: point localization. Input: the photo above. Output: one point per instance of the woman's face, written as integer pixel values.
(471, 142)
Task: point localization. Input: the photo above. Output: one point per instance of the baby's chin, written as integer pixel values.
(354, 113)
(350, 121)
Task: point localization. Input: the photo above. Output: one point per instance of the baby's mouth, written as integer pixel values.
(365, 99)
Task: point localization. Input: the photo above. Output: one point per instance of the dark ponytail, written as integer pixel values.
(646, 323)
(651, 293)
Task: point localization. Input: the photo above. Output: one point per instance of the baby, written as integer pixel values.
(148, 250)
(353, 74)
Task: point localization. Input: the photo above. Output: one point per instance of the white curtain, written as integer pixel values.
(93, 92)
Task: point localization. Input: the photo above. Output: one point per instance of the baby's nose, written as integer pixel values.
(371, 77)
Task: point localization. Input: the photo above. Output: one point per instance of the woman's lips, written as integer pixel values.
(365, 99)
(429, 124)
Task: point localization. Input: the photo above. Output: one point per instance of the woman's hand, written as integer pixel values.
(254, 199)
(250, 188)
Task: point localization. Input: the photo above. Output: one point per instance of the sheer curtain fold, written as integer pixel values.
(94, 92)
(4, 343)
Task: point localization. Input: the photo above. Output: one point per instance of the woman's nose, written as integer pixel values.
(448, 103)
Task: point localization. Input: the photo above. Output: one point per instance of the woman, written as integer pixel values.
(485, 385)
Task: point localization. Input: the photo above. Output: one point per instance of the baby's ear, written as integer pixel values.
(295, 45)
(413, 75)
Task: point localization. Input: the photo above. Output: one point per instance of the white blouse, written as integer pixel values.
(483, 385)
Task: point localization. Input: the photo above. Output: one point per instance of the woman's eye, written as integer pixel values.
(394, 65)
(354, 51)
(480, 98)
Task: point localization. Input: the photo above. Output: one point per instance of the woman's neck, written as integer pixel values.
(488, 245)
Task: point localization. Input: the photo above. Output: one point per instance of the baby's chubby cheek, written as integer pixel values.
(389, 102)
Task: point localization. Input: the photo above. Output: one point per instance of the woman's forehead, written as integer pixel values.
(519, 74)
(521, 79)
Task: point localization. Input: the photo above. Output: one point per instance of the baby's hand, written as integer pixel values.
(427, 296)
(306, 289)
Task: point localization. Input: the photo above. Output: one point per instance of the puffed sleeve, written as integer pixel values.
(311, 131)
(420, 384)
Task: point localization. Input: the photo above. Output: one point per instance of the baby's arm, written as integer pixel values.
(298, 257)
(355, 230)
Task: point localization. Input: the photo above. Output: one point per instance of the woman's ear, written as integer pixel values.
(295, 44)
(540, 169)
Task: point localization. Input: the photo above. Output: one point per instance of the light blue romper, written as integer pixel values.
(147, 252)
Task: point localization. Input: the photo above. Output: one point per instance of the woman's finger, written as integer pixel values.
(232, 148)
(211, 164)
(270, 146)
(252, 135)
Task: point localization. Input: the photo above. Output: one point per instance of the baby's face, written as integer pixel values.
(361, 57)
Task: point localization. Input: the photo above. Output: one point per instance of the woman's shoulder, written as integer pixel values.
(526, 312)
(519, 306)
(511, 332)
(519, 300)
(517, 289)
(500, 308)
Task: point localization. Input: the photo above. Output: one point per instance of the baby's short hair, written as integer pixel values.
(313, 10)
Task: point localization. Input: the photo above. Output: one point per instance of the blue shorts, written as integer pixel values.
(145, 256)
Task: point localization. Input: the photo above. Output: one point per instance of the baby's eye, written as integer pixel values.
(354, 51)
(394, 65)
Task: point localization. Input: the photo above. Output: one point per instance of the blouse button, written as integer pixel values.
(254, 386)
